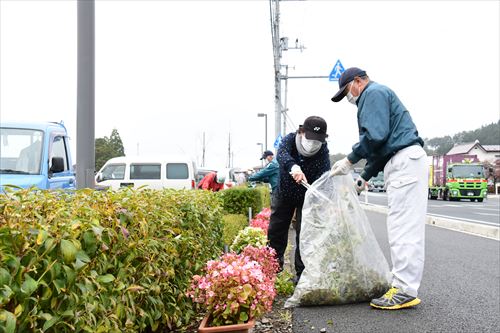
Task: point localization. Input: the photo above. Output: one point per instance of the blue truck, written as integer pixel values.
(35, 155)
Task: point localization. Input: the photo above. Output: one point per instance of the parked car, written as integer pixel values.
(377, 183)
(155, 172)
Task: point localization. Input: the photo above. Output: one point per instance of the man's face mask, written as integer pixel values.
(310, 145)
(352, 99)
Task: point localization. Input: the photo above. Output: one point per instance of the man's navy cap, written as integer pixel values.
(346, 77)
(266, 154)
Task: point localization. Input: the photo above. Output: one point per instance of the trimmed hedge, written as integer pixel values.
(236, 200)
(99, 261)
(233, 223)
(265, 195)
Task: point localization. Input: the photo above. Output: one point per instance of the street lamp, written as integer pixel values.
(265, 116)
(261, 152)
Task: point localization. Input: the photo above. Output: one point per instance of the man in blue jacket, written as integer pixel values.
(389, 141)
(270, 173)
(302, 157)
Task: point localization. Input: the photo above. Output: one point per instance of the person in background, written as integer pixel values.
(302, 157)
(241, 178)
(213, 181)
(269, 174)
(389, 141)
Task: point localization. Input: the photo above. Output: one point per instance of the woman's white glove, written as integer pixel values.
(297, 174)
(360, 185)
(341, 167)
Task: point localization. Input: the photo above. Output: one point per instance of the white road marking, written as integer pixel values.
(489, 209)
(466, 220)
(487, 214)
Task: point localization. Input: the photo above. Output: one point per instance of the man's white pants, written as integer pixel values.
(406, 177)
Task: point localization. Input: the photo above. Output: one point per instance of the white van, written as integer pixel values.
(156, 172)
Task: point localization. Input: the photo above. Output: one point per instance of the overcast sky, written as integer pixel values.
(168, 71)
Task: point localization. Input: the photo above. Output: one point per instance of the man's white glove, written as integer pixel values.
(360, 185)
(341, 167)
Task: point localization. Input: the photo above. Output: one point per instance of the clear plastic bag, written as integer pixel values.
(343, 261)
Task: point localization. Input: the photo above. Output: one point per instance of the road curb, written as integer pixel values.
(475, 229)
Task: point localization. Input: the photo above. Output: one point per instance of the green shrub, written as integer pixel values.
(249, 236)
(233, 223)
(98, 261)
(284, 284)
(236, 200)
(265, 195)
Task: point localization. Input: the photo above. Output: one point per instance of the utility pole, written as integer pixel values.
(203, 154)
(85, 99)
(285, 109)
(275, 33)
(229, 152)
(279, 44)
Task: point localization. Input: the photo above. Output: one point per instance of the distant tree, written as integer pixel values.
(336, 157)
(438, 146)
(487, 135)
(492, 173)
(116, 143)
(106, 148)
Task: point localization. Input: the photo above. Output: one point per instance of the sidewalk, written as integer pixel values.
(460, 290)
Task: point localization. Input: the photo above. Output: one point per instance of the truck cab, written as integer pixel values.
(466, 181)
(35, 155)
(455, 177)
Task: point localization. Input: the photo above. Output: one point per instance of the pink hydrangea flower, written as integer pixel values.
(236, 284)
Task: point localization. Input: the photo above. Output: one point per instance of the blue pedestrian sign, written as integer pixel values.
(337, 70)
(277, 141)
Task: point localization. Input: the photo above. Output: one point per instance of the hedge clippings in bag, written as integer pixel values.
(343, 261)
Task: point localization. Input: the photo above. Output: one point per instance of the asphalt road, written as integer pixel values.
(460, 291)
(486, 212)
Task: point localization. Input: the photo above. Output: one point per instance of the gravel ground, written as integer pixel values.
(277, 321)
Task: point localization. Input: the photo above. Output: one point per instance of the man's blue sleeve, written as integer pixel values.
(374, 124)
(372, 168)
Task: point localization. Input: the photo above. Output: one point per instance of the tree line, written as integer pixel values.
(487, 135)
(108, 147)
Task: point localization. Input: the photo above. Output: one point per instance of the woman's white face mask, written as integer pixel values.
(310, 145)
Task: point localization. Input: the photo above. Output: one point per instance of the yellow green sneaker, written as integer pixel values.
(394, 299)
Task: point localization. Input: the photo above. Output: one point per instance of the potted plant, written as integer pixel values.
(235, 290)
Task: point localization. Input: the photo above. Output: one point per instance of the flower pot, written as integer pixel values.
(236, 328)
